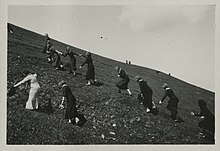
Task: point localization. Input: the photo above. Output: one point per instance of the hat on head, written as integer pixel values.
(67, 48)
(201, 102)
(117, 68)
(26, 72)
(138, 78)
(62, 82)
(165, 86)
(88, 53)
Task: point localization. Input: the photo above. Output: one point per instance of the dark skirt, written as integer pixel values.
(90, 74)
(172, 104)
(73, 64)
(208, 124)
(71, 111)
(57, 61)
(44, 49)
(123, 84)
(147, 100)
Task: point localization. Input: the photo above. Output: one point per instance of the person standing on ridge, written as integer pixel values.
(123, 83)
(172, 103)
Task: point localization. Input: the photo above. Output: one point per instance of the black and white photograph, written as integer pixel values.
(111, 74)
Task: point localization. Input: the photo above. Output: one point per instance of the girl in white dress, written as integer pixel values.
(32, 102)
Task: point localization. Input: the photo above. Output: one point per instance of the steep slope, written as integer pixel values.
(113, 118)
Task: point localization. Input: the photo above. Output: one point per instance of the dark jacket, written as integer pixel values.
(123, 83)
(90, 74)
(209, 119)
(71, 110)
(147, 93)
(173, 102)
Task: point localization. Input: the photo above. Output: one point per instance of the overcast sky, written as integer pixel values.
(176, 39)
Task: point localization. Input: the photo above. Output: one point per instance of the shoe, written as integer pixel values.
(88, 84)
(130, 94)
(202, 135)
(148, 110)
(176, 121)
(69, 121)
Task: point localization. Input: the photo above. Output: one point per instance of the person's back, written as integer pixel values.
(123, 74)
(72, 55)
(145, 89)
(169, 92)
(206, 113)
(69, 95)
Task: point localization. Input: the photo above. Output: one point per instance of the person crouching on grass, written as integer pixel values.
(123, 83)
(207, 124)
(172, 103)
(71, 110)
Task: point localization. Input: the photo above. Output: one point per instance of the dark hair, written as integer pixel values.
(201, 102)
(26, 72)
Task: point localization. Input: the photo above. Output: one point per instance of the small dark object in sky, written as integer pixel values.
(101, 37)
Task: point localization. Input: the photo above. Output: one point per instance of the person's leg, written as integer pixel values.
(88, 83)
(174, 113)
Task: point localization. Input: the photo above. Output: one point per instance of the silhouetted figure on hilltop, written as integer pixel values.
(123, 83)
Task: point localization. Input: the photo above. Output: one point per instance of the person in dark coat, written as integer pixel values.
(47, 40)
(172, 103)
(146, 94)
(71, 54)
(57, 58)
(208, 119)
(50, 55)
(123, 83)
(90, 74)
(71, 111)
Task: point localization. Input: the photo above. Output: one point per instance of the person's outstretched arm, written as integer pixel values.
(27, 78)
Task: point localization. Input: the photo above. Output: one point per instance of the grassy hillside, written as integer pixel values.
(112, 118)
